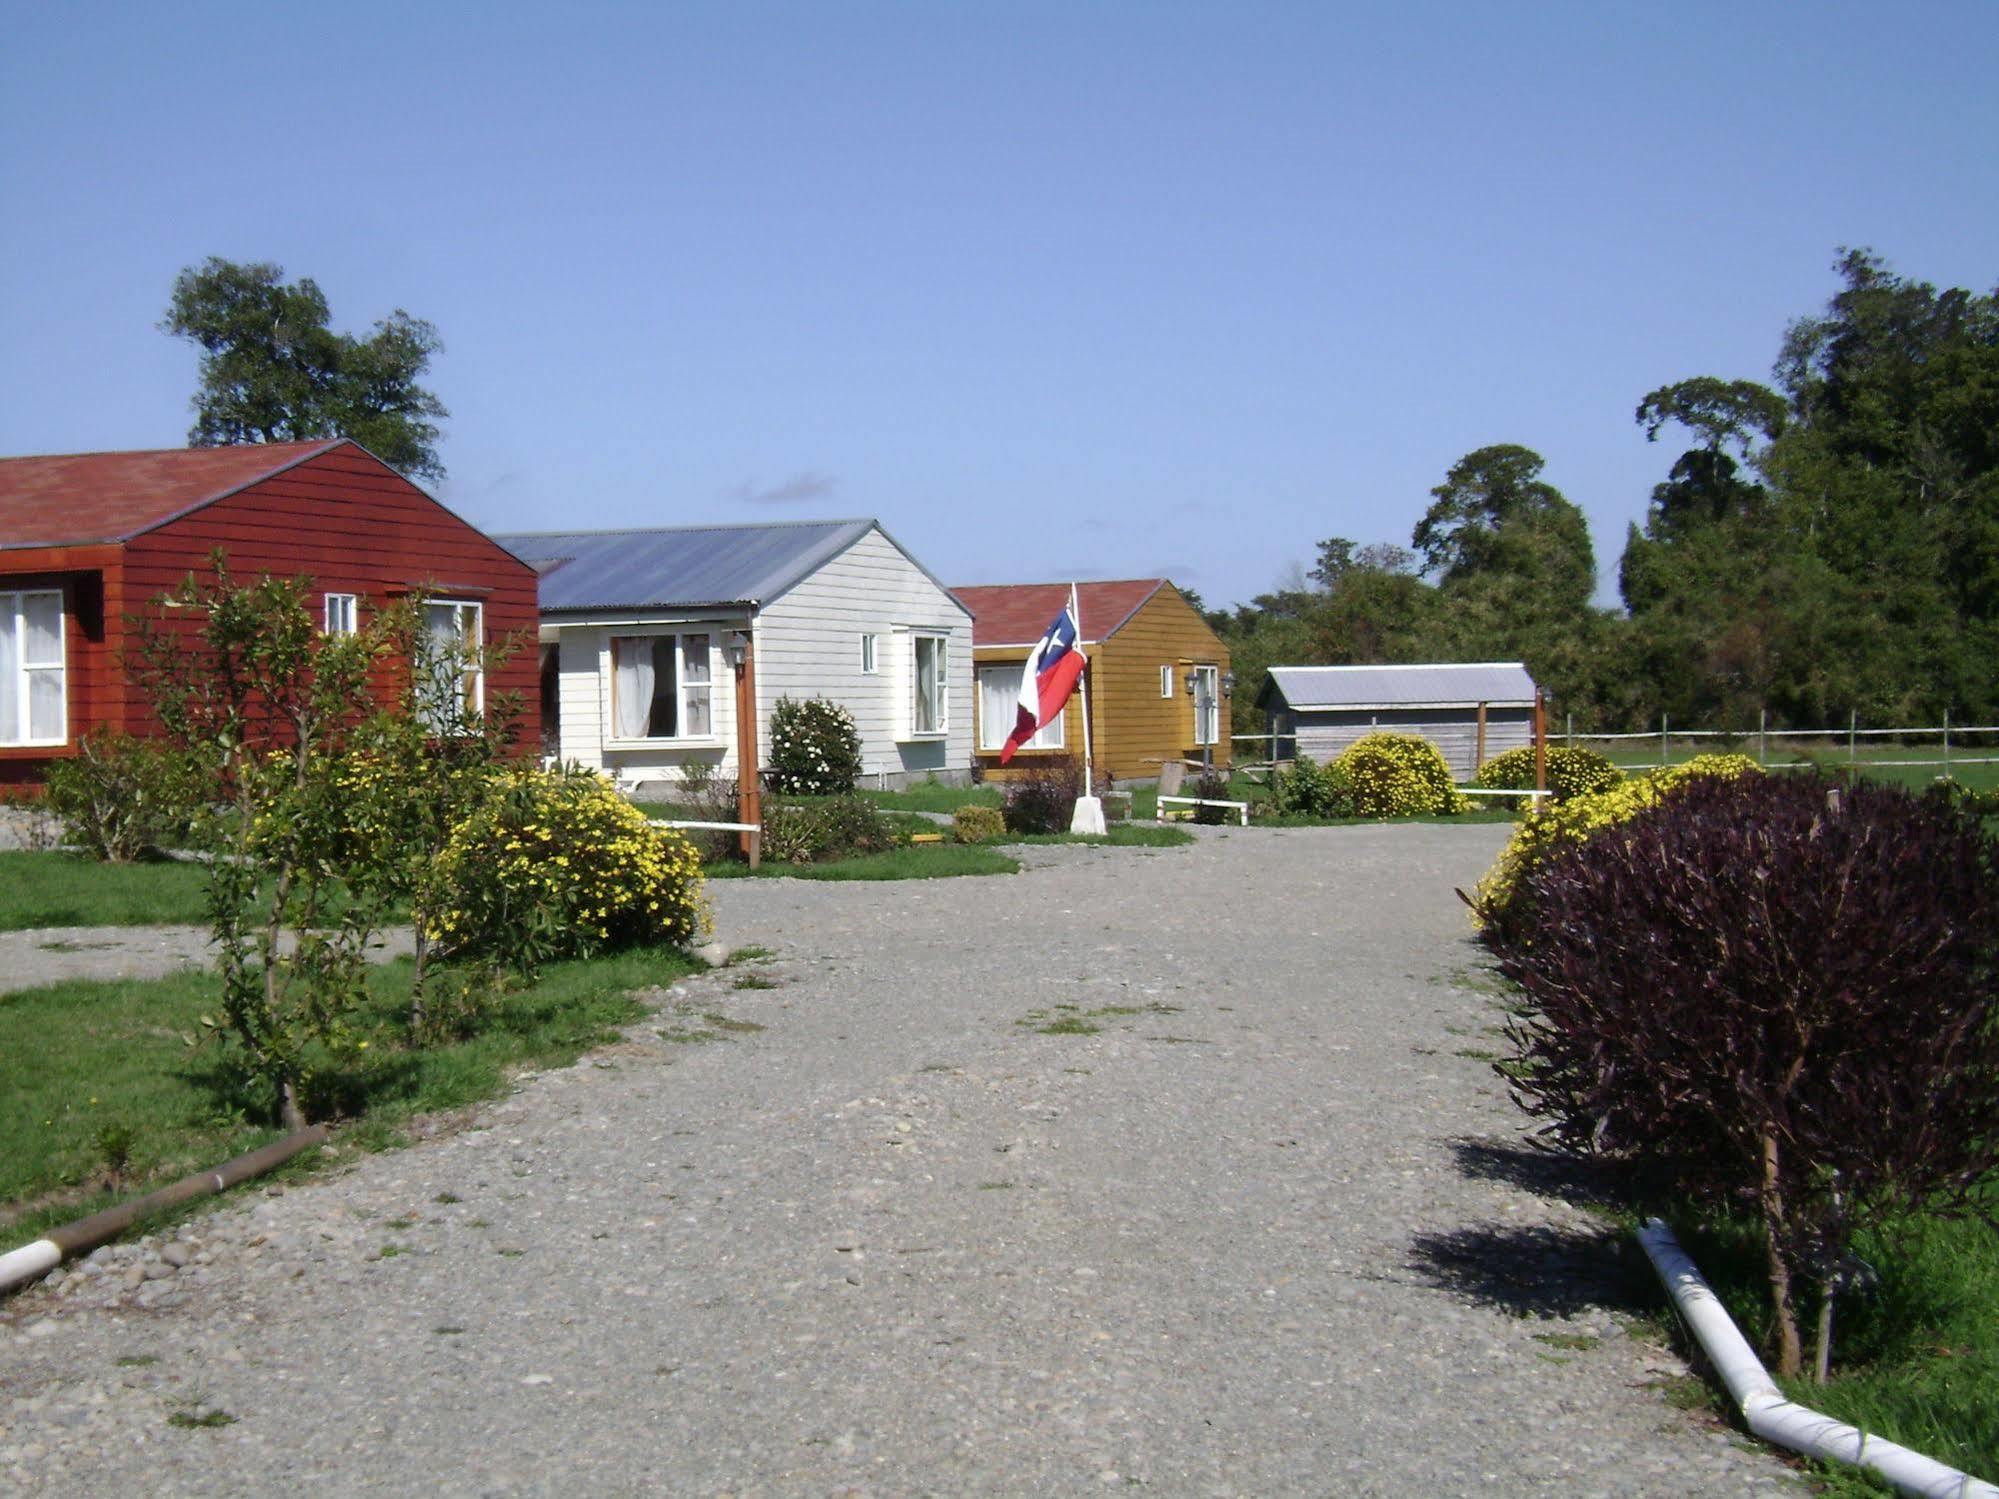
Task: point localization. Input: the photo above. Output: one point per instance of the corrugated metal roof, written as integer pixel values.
(67, 499)
(1457, 683)
(1017, 613)
(678, 567)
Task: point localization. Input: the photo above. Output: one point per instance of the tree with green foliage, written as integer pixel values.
(273, 369)
(244, 683)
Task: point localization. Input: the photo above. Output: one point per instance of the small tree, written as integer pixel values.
(1770, 993)
(264, 703)
(419, 769)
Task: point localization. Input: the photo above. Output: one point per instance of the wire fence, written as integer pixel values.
(1943, 747)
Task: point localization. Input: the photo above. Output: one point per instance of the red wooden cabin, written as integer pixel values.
(88, 539)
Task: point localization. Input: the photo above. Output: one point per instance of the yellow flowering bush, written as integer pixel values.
(1581, 818)
(1396, 775)
(556, 864)
(1571, 772)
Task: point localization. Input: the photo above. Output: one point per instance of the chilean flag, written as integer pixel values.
(1048, 679)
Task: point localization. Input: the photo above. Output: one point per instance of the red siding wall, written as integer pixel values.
(352, 525)
(343, 519)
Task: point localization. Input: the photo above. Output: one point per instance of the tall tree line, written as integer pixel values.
(1823, 546)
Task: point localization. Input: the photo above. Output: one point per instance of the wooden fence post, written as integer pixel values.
(1540, 744)
(1478, 756)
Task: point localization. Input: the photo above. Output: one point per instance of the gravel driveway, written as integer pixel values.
(1265, 1230)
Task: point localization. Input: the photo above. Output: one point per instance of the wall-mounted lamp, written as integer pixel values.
(735, 645)
(1228, 684)
(1193, 681)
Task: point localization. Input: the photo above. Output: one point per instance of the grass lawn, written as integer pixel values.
(82, 1063)
(933, 861)
(62, 889)
(946, 860)
(1914, 1359)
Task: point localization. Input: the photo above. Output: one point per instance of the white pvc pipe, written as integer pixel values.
(29, 1262)
(1769, 1414)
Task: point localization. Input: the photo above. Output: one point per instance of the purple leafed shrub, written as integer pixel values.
(1766, 995)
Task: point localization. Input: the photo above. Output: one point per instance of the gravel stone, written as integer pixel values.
(1264, 1229)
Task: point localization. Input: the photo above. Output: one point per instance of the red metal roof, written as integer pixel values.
(68, 499)
(1020, 613)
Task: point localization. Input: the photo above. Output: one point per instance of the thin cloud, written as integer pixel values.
(799, 488)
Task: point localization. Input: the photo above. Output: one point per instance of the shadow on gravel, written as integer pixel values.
(1545, 1173)
(1533, 1270)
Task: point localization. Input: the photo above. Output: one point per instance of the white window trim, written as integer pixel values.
(1166, 681)
(343, 620)
(871, 654)
(943, 726)
(678, 635)
(15, 605)
(993, 737)
(475, 646)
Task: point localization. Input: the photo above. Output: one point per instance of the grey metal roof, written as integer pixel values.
(1452, 684)
(679, 567)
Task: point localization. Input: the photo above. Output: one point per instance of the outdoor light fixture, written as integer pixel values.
(1193, 681)
(735, 645)
(1228, 684)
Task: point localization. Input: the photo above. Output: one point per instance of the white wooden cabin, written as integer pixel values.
(1462, 707)
(635, 626)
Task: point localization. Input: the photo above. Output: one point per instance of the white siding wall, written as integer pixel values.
(809, 645)
(1323, 735)
(584, 662)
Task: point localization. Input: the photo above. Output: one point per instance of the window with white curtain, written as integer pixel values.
(33, 702)
(929, 705)
(454, 689)
(662, 686)
(999, 701)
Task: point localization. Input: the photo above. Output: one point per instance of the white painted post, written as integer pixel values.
(1762, 736)
(1665, 749)
(1852, 735)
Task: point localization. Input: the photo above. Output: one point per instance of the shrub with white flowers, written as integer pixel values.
(814, 748)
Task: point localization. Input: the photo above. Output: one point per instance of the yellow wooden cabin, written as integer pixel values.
(1158, 677)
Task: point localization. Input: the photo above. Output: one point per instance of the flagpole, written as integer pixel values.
(1089, 814)
(1089, 760)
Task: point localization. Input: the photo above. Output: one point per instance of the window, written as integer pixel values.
(340, 614)
(999, 702)
(870, 654)
(454, 687)
(929, 700)
(662, 687)
(1166, 681)
(33, 703)
(1207, 703)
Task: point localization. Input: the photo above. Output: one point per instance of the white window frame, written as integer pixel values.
(14, 610)
(342, 613)
(1166, 681)
(941, 647)
(683, 689)
(471, 645)
(1211, 677)
(993, 736)
(871, 655)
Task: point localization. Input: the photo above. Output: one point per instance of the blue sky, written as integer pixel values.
(1092, 290)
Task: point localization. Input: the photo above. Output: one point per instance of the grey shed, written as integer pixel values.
(1320, 710)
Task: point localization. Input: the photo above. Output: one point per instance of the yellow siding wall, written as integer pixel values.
(1133, 727)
